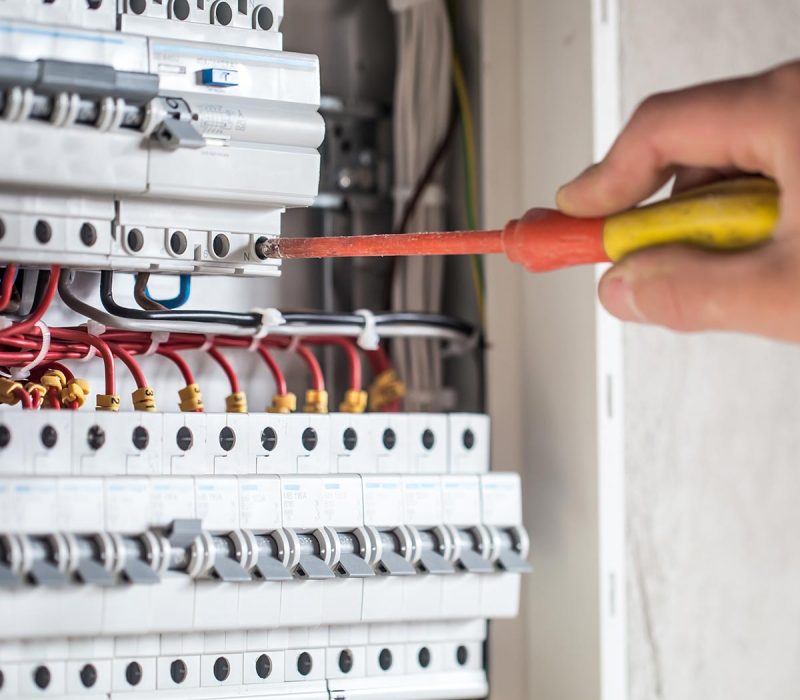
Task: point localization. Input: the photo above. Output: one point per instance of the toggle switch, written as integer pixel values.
(351, 563)
(268, 565)
(45, 560)
(393, 545)
(219, 77)
(89, 556)
(514, 546)
(434, 546)
(226, 565)
(467, 556)
(312, 563)
(10, 559)
(133, 556)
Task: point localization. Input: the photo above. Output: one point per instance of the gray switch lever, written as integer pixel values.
(313, 568)
(435, 563)
(173, 134)
(137, 571)
(513, 563)
(268, 566)
(8, 579)
(474, 563)
(46, 574)
(226, 567)
(353, 566)
(394, 565)
(94, 573)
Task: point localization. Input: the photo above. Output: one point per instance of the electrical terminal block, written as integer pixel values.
(283, 403)
(9, 391)
(191, 399)
(76, 391)
(385, 388)
(144, 399)
(108, 402)
(236, 403)
(354, 402)
(316, 401)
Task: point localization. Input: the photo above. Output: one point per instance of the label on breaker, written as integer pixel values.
(127, 505)
(218, 503)
(422, 498)
(81, 505)
(461, 500)
(342, 502)
(260, 503)
(302, 502)
(383, 501)
(501, 499)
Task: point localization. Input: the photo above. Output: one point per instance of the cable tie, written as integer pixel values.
(270, 318)
(254, 344)
(5, 323)
(369, 338)
(157, 338)
(294, 343)
(90, 355)
(457, 348)
(18, 373)
(94, 328)
(208, 344)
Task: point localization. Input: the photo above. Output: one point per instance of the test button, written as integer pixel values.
(219, 77)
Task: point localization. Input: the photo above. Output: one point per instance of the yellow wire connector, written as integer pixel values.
(144, 399)
(75, 390)
(354, 401)
(54, 378)
(33, 387)
(191, 399)
(8, 391)
(316, 401)
(385, 389)
(283, 403)
(107, 402)
(236, 403)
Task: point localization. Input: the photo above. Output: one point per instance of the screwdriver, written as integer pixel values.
(727, 215)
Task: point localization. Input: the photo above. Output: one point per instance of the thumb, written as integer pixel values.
(689, 289)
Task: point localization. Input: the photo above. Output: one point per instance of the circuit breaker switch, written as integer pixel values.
(267, 565)
(45, 560)
(351, 563)
(10, 561)
(394, 545)
(88, 561)
(225, 560)
(434, 546)
(312, 564)
(514, 546)
(467, 556)
(133, 556)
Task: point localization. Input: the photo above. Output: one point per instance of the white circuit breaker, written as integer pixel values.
(215, 555)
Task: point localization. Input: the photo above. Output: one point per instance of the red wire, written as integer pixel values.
(102, 347)
(36, 316)
(55, 400)
(24, 397)
(317, 378)
(180, 363)
(7, 286)
(226, 366)
(37, 398)
(130, 363)
(280, 380)
(353, 360)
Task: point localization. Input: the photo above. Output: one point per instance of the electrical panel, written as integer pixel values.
(299, 552)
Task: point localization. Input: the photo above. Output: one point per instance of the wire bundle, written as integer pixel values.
(422, 120)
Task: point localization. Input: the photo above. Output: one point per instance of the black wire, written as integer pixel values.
(242, 320)
(254, 320)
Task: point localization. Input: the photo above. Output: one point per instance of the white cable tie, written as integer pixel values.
(403, 5)
(457, 348)
(5, 323)
(254, 344)
(95, 328)
(294, 343)
(18, 373)
(157, 339)
(208, 344)
(270, 318)
(90, 354)
(369, 338)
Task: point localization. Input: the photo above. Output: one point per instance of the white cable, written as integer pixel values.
(157, 338)
(19, 373)
(270, 320)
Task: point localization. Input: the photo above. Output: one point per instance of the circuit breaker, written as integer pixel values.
(296, 552)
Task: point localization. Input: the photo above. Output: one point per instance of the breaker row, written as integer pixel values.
(98, 443)
(228, 553)
(442, 660)
(142, 153)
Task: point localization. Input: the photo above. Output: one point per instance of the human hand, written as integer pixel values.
(700, 134)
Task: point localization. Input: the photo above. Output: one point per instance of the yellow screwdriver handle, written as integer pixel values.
(728, 215)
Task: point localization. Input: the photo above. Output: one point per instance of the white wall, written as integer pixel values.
(712, 434)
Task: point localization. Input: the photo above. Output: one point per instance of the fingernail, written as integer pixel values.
(616, 295)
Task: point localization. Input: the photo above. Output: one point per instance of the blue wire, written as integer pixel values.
(176, 302)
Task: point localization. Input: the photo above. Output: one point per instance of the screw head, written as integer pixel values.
(96, 437)
(462, 655)
(389, 439)
(350, 439)
(88, 235)
(88, 676)
(2, 233)
(424, 657)
(140, 437)
(49, 436)
(468, 439)
(428, 439)
(178, 671)
(181, 9)
(184, 439)
(135, 240)
(133, 673)
(385, 659)
(137, 6)
(5, 436)
(265, 18)
(41, 677)
(222, 669)
(223, 13)
(177, 243)
(227, 438)
(269, 439)
(304, 663)
(346, 661)
(43, 232)
(263, 666)
(309, 439)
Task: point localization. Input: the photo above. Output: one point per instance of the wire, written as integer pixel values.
(180, 363)
(184, 292)
(55, 400)
(24, 397)
(280, 380)
(314, 368)
(353, 360)
(36, 315)
(226, 366)
(82, 336)
(7, 286)
(141, 296)
(131, 364)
